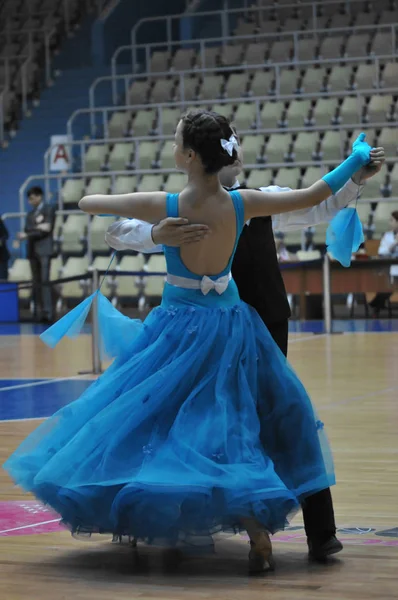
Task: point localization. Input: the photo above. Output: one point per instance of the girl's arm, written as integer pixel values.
(258, 204)
(146, 206)
(262, 204)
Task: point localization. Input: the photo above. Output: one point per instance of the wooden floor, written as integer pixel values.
(353, 380)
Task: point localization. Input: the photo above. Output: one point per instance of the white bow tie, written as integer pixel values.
(219, 285)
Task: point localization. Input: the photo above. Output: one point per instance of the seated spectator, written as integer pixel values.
(388, 248)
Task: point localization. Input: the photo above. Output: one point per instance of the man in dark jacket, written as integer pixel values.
(39, 237)
(4, 254)
(255, 270)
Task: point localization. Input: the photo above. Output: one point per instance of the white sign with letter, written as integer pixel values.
(61, 153)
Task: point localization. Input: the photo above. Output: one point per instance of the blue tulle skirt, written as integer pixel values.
(199, 422)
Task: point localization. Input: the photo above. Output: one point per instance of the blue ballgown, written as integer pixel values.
(198, 422)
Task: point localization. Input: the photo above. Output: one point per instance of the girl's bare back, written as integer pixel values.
(211, 255)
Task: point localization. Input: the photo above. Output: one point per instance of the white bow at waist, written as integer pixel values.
(205, 285)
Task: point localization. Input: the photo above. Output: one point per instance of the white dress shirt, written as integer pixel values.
(133, 234)
(386, 242)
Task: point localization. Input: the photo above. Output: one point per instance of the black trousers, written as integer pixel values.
(42, 294)
(3, 270)
(318, 513)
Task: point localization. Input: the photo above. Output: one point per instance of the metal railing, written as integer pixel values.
(307, 9)
(277, 67)
(91, 112)
(25, 71)
(59, 178)
(83, 144)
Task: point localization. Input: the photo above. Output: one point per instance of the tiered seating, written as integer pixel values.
(353, 75)
(23, 27)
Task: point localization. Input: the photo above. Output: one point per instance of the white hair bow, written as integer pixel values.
(230, 145)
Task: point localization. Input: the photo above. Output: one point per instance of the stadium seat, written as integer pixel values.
(374, 186)
(129, 286)
(245, 117)
(277, 148)
(339, 20)
(101, 263)
(308, 49)
(169, 118)
(261, 83)
(256, 53)
(97, 229)
(167, 160)
(252, 147)
(72, 191)
(288, 82)
(224, 109)
(357, 45)
(211, 87)
(143, 123)
(259, 178)
(150, 183)
(120, 156)
(191, 87)
(388, 139)
(382, 44)
(236, 86)
(56, 268)
(160, 61)
(314, 81)
(281, 51)
(331, 47)
(175, 183)
(298, 113)
(211, 57)
(147, 155)
(156, 264)
(124, 184)
(118, 124)
(184, 59)
(139, 91)
(366, 77)
(292, 24)
(324, 112)
(340, 79)
(332, 145)
(98, 185)
(232, 55)
(74, 234)
(311, 175)
(20, 271)
(362, 18)
(351, 109)
(95, 158)
(163, 90)
(271, 114)
(287, 177)
(381, 108)
(306, 146)
(79, 288)
(390, 75)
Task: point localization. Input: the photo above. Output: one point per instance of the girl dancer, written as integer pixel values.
(176, 440)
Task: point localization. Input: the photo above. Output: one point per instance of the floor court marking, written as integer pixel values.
(30, 526)
(45, 382)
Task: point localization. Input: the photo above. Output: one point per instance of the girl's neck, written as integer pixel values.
(203, 185)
